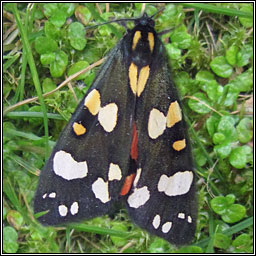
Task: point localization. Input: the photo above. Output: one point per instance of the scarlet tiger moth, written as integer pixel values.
(127, 140)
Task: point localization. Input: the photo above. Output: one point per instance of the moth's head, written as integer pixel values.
(144, 23)
(145, 20)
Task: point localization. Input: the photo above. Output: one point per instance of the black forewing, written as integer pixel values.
(156, 157)
(98, 147)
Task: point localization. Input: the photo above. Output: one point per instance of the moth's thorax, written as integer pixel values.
(142, 46)
(142, 43)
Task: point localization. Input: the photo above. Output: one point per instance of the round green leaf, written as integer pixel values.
(198, 105)
(50, 8)
(238, 157)
(242, 82)
(234, 213)
(244, 55)
(68, 8)
(181, 37)
(223, 150)
(173, 51)
(76, 34)
(219, 204)
(10, 238)
(220, 66)
(83, 14)
(204, 76)
(58, 18)
(231, 54)
(214, 90)
(15, 219)
(51, 31)
(218, 138)
(243, 243)
(245, 130)
(47, 58)
(48, 85)
(231, 95)
(230, 199)
(76, 29)
(221, 241)
(58, 66)
(45, 45)
(226, 127)
(77, 67)
(78, 43)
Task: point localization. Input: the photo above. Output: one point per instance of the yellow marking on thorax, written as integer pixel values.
(92, 102)
(78, 129)
(174, 114)
(136, 39)
(151, 41)
(179, 145)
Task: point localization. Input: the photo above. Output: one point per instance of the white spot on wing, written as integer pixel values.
(177, 184)
(63, 210)
(114, 172)
(100, 190)
(74, 208)
(52, 195)
(44, 196)
(108, 117)
(137, 177)
(156, 123)
(139, 197)
(166, 227)
(156, 221)
(181, 215)
(65, 166)
(189, 219)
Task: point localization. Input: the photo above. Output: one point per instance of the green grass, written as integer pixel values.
(210, 49)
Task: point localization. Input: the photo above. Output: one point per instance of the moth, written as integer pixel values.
(126, 141)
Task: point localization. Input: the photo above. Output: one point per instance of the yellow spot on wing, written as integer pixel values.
(151, 41)
(92, 102)
(174, 114)
(143, 78)
(179, 144)
(78, 129)
(133, 73)
(136, 38)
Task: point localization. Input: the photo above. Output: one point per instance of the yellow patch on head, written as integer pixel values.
(143, 78)
(174, 114)
(133, 73)
(179, 145)
(92, 102)
(136, 39)
(78, 129)
(151, 41)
